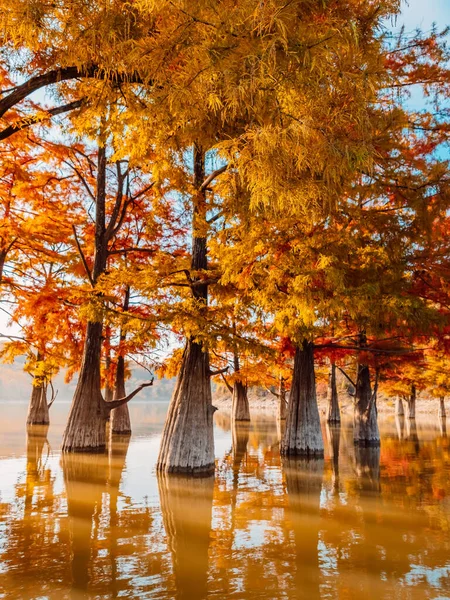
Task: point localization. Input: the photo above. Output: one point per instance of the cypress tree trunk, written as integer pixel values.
(333, 412)
(365, 431)
(399, 407)
(38, 408)
(187, 444)
(282, 404)
(441, 409)
(120, 417)
(411, 403)
(303, 435)
(85, 430)
(186, 507)
(239, 405)
(109, 391)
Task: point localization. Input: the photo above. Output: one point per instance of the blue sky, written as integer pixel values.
(415, 13)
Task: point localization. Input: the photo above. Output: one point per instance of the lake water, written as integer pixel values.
(358, 524)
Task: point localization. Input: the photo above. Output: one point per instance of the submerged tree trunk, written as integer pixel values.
(38, 408)
(441, 409)
(85, 430)
(333, 412)
(399, 411)
(120, 417)
(411, 403)
(282, 404)
(365, 430)
(187, 444)
(109, 391)
(240, 410)
(239, 405)
(303, 435)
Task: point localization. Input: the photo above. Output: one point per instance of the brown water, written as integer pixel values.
(364, 524)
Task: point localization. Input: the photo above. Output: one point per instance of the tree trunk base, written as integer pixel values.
(120, 420)
(303, 433)
(38, 409)
(240, 409)
(187, 444)
(86, 425)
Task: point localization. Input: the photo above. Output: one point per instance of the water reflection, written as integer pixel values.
(370, 522)
(186, 506)
(304, 485)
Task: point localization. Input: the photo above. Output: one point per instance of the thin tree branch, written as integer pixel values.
(27, 122)
(346, 376)
(230, 389)
(212, 176)
(83, 258)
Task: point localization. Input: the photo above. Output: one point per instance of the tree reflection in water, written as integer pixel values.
(304, 477)
(186, 506)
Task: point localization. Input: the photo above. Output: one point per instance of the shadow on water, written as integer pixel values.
(186, 507)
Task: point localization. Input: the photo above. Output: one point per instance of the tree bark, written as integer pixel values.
(120, 417)
(399, 411)
(303, 435)
(240, 409)
(38, 408)
(365, 430)
(441, 409)
(411, 403)
(109, 391)
(187, 444)
(282, 404)
(333, 412)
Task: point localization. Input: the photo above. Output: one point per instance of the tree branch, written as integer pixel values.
(63, 74)
(27, 122)
(230, 389)
(121, 401)
(212, 176)
(83, 258)
(346, 376)
(219, 372)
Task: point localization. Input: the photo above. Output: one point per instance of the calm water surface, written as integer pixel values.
(371, 524)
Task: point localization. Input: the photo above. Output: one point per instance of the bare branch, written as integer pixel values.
(230, 389)
(346, 376)
(219, 372)
(28, 121)
(121, 401)
(83, 258)
(212, 176)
